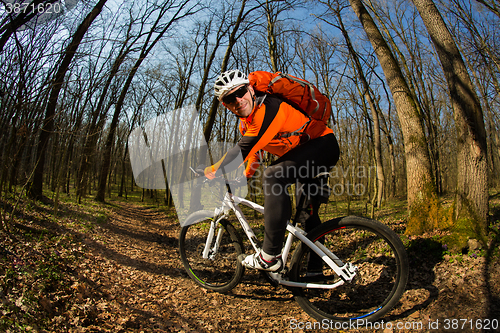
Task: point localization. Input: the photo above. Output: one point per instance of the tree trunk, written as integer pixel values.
(48, 122)
(97, 122)
(418, 167)
(207, 131)
(377, 141)
(101, 190)
(271, 38)
(472, 168)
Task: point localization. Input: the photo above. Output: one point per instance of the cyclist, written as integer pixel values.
(304, 146)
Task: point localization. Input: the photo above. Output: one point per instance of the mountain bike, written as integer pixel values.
(364, 263)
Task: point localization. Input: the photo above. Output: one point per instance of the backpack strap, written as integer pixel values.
(297, 132)
(259, 100)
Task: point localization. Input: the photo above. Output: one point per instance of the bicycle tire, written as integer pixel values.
(220, 273)
(382, 274)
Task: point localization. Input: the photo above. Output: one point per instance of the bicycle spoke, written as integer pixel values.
(221, 271)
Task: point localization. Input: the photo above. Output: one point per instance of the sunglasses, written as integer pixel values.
(231, 98)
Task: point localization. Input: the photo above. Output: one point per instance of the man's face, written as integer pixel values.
(240, 100)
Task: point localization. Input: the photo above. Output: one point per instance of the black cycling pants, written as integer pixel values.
(299, 164)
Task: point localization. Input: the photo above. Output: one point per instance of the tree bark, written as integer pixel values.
(207, 130)
(271, 37)
(418, 167)
(48, 122)
(377, 141)
(101, 190)
(472, 175)
(99, 114)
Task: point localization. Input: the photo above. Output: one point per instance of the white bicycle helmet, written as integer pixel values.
(227, 81)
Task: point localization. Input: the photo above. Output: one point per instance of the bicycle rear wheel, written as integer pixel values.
(382, 264)
(221, 271)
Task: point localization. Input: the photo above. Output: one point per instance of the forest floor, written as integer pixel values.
(116, 268)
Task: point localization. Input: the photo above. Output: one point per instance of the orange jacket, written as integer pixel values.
(268, 128)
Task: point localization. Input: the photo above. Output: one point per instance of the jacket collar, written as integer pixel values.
(248, 120)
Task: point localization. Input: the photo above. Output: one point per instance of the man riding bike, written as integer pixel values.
(305, 147)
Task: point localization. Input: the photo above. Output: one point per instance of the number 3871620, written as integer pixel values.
(486, 324)
(32, 8)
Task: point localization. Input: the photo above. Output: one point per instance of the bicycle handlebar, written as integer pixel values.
(234, 183)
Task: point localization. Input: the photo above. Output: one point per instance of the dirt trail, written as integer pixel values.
(135, 282)
(132, 280)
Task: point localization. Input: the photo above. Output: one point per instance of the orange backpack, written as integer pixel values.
(299, 93)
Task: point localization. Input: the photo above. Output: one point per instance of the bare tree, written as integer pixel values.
(233, 38)
(413, 65)
(98, 114)
(48, 123)
(13, 22)
(419, 174)
(157, 31)
(274, 28)
(367, 94)
(491, 5)
(472, 181)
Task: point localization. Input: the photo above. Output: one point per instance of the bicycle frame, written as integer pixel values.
(346, 271)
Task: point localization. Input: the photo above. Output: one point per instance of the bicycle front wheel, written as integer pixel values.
(221, 271)
(382, 264)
